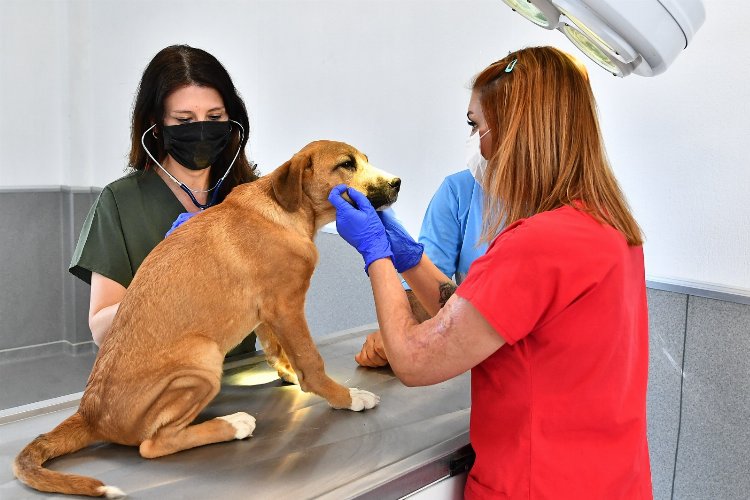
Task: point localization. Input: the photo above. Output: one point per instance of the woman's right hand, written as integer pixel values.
(360, 225)
(372, 354)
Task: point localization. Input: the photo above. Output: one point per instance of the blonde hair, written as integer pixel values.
(547, 150)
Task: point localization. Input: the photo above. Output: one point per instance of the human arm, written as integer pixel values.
(373, 352)
(455, 340)
(431, 287)
(106, 295)
(409, 258)
(440, 238)
(101, 259)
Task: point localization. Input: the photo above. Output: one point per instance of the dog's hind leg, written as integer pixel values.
(171, 439)
(275, 355)
(168, 418)
(294, 337)
(179, 404)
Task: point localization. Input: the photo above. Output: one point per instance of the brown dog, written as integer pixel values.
(242, 265)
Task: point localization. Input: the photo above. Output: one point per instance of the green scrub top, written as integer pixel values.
(129, 218)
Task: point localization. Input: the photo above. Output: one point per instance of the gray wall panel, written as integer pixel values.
(666, 311)
(41, 302)
(30, 277)
(713, 459)
(340, 295)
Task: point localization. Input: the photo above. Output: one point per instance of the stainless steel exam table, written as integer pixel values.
(301, 448)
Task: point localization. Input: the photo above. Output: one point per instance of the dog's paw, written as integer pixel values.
(111, 492)
(362, 400)
(243, 424)
(288, 376)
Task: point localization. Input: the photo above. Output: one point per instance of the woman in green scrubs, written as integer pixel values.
(188, 137)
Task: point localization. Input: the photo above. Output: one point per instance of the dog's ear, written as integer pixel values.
(287, 181)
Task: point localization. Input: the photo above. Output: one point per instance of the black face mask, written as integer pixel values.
(197, 145)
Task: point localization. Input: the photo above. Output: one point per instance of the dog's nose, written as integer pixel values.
(395, 183)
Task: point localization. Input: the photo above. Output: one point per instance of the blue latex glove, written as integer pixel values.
(180, 220)
(360, 226)
(406, 252)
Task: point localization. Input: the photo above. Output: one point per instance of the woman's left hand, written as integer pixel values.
(360, 225)
(180, 220)
(373, 352)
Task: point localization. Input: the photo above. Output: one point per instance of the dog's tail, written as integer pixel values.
(70, 436)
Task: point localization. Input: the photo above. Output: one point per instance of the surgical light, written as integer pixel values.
(533, 13)
(597, 54)
(623, 37)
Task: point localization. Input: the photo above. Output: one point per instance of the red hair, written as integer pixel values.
(546, 146)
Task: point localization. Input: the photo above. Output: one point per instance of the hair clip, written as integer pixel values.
(512, 65)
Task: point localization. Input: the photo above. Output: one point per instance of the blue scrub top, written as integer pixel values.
(452, 225)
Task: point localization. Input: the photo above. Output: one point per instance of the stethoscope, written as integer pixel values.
(187, 190)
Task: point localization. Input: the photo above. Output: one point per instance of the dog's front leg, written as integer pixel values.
(275, 355)
(294, 337)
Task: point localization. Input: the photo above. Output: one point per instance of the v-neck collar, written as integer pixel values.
(156, 188)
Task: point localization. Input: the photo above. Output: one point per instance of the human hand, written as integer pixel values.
(180, 220)
(360, 225)
(373, 352)
(406, 252)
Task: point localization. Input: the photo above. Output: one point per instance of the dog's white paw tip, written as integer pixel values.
(243, 423)
(111, 492)
(362, 400)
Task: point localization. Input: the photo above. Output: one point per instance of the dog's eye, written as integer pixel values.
(348, 164)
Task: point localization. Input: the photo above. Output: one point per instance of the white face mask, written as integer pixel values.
(474, 159)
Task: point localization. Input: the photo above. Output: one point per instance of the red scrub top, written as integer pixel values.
(560, 410)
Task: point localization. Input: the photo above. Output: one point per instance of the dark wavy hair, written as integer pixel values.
(175, 67)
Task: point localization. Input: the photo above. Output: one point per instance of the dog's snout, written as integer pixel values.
(395, 183)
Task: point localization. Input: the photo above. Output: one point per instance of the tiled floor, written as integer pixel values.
(31, 380)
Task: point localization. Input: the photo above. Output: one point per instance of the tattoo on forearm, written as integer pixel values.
(419, 312)
(446, 291)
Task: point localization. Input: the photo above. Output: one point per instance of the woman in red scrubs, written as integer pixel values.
(552, 320)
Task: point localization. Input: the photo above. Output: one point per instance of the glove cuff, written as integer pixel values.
(383, 252)
(411, 260)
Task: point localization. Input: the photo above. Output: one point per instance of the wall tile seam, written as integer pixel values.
(68, 305)
(682, 386)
